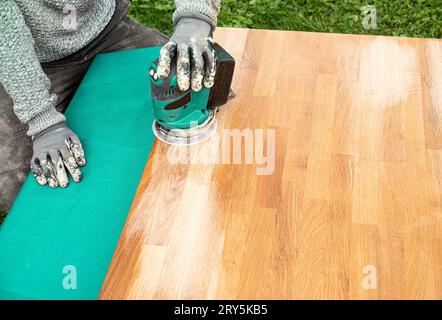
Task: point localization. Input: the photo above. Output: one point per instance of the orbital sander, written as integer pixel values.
(186, 117)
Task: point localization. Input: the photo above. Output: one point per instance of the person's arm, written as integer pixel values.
(21, 74)
(55, 146)
(191, 43)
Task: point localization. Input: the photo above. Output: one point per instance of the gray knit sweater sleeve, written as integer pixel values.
(21, 73)
(206, 10)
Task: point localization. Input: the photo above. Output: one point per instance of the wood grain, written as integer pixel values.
(356, 183)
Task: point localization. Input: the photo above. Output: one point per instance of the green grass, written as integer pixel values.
(411, 18)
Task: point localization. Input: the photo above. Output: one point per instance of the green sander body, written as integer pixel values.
(188, 117)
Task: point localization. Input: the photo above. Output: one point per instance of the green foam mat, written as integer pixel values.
(58, 243)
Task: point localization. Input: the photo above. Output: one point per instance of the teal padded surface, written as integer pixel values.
(48, 229)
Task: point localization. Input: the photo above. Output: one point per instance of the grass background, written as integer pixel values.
(411, 18)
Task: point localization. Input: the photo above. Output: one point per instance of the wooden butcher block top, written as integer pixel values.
(347, 207)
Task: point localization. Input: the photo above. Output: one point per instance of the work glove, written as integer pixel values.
(191, 44)
(55, 150)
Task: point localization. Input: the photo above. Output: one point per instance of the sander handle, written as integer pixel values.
(225, 67)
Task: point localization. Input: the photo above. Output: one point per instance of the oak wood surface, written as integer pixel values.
(356, 190)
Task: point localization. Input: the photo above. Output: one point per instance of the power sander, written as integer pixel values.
(186, 117)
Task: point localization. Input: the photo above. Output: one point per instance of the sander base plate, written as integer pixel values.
(186, 137)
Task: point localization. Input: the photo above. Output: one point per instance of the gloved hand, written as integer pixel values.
(56, 149)
(192, 43)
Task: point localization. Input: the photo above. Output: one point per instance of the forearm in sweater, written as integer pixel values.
(21, 73)
(206, 10)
